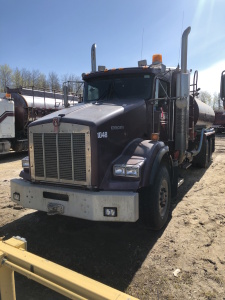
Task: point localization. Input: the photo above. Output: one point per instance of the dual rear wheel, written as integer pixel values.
(204, 157)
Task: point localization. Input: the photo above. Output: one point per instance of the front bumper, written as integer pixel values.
(81, 204)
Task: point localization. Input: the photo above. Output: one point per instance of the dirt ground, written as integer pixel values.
(129, 257)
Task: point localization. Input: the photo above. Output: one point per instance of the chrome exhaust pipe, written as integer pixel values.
(93, 58)
(184, 48)
(182, 101)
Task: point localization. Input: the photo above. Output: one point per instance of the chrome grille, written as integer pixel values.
(79, 159)
(50, 155)
(65, 161)
(38, 153)
(61, 157)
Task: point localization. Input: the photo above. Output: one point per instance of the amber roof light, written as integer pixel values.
(157, 59)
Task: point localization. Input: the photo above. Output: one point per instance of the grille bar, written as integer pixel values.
(38, 154)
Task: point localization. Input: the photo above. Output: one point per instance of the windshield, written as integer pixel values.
(135, 86)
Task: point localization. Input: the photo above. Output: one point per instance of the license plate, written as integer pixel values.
(55, 209)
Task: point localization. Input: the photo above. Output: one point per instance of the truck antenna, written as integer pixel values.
(142, 42)
(182, 24)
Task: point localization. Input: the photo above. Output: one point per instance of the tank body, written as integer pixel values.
(33, 104)
(204, 115)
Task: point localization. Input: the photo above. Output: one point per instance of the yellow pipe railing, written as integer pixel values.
(15, 258)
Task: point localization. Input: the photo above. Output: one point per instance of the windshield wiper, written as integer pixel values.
(103, 95)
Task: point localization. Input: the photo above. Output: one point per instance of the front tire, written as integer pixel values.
(155, 201)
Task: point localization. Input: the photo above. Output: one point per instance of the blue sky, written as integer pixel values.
(56, 35)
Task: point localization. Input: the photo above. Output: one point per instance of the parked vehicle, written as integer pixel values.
(20, 107)
(116, 156)
(222, 88)
(219, 123)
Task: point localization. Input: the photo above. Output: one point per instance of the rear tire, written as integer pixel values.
(155, 201)
(203, 159)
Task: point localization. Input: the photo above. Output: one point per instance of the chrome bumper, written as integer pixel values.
(82, 204)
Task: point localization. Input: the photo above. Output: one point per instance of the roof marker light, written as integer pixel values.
(157, 59)
(8, 96)
(155, 137)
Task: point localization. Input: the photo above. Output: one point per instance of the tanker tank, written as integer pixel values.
(28, 105)
(33, 104)
(204, 115)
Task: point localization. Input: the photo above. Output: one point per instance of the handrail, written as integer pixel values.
(14, 258)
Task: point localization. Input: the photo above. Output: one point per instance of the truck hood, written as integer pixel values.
(91, 113)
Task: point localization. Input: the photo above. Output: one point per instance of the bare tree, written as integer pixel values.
(53, 81)
(34, 77)
(205, 97)
(16, 78)
(217, 102)
(42, 82)
(5, 76)
(25, 78)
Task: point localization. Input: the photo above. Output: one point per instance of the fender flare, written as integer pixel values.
(162, 152)
(151, 151)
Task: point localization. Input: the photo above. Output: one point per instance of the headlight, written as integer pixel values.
(119, 170)
(129, 167)
(126, 171)
(25, 162)
(132, 171)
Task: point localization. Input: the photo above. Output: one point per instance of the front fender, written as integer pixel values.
(151, 152)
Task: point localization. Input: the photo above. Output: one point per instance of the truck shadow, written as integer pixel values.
(190, 176)
(108, 252)
(12, 156)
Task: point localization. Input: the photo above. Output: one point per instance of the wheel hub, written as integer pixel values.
(163, 198)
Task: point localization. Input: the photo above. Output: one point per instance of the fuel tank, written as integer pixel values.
(204, 115)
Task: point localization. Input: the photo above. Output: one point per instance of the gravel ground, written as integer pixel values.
(130, 257)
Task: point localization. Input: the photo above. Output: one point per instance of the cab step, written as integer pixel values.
(180, 181)
(186, 165)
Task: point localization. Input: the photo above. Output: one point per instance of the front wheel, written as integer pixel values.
(155, 201)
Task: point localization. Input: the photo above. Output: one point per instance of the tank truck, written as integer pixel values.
(117, 155)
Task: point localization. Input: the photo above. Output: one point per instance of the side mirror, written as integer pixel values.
(222, 87)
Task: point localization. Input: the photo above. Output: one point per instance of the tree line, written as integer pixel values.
(212, 100)
(25, 78)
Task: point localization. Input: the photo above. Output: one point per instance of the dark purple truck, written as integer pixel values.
(116, 156)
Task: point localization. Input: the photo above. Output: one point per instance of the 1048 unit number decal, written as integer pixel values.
(102, 135)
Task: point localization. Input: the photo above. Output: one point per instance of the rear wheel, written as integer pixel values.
(203, 159)
(155, 201)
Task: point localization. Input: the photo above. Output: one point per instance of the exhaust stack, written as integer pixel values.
(184, 48)
(182, 102)
(93, 58)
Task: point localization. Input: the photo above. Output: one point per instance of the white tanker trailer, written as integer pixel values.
(20, 107)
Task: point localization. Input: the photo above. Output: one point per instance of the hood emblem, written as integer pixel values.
(56, 123)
